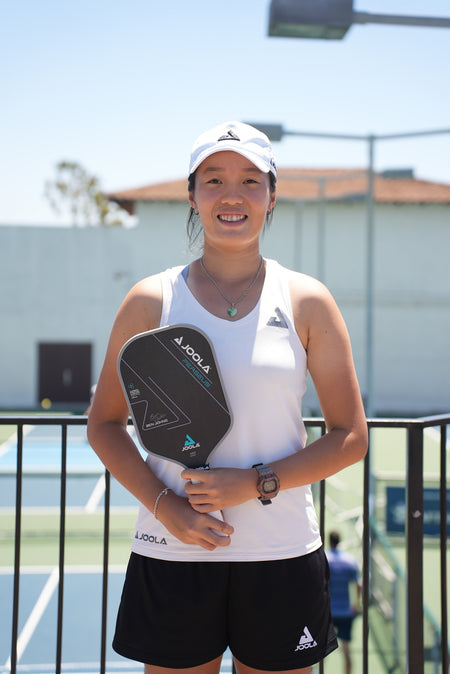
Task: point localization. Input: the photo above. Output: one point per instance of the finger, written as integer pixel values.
(220, 526)
(220, 538)
(193, 474)
(214, 540)
(203, 507)
(196, 489)
(207, 545)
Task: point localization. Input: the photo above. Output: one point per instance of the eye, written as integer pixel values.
(250, 181)
(213, 181)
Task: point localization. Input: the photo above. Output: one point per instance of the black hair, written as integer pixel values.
(334, 539)
(193, 225)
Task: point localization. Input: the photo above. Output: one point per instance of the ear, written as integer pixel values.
(272, 201)
(192, 201)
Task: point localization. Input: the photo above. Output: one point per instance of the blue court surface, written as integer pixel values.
(39, 582)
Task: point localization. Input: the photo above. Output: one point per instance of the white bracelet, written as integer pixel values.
(161, 493)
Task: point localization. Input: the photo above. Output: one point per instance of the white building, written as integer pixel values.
(61, 287)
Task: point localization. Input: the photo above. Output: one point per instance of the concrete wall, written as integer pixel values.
(66, 284)
(411, 318)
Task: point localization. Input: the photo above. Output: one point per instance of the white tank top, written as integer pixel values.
(263, 367)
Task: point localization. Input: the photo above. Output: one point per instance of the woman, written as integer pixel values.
(256, 581)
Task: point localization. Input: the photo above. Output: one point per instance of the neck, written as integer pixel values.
(231, 268)
(227, 285)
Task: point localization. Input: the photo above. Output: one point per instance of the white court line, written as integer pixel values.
(36, 615)
(70, 569)
(11, 442)
(96, 496)
(82, 667)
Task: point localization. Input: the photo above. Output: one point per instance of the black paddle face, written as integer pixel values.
(175, 393)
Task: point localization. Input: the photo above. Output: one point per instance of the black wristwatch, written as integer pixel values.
(268, 483)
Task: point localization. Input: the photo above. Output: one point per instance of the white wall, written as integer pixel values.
(411, 319)
(66, 284)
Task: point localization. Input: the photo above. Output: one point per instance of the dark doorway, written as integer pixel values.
(65, 372)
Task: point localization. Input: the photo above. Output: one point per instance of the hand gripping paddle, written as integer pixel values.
(175, 394)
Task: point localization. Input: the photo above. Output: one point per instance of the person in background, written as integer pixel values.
(345, 591)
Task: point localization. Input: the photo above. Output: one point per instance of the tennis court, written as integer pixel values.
(40, 550)
(84, 552)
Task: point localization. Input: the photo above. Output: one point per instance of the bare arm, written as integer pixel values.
(108, 434)
(109, 412)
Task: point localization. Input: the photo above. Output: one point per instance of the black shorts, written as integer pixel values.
(274, 615)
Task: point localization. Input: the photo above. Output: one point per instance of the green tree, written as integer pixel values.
(78, 193)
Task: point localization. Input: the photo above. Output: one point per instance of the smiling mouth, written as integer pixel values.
(232, 218)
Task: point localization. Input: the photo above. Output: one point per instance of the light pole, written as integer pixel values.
(276, 132)
(331, 19)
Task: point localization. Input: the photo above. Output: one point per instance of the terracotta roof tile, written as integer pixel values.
(307, 184)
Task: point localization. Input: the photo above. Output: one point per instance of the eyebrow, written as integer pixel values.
(248, 169)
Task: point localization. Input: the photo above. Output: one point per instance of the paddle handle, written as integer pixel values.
(217, 513)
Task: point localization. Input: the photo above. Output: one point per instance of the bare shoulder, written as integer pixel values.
(141, 309)
(313, 305)
(306, 288)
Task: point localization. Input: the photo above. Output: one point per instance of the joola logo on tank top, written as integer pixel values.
(190, 351)
(149, 538)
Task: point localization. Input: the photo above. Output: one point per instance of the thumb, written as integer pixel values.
(193, 474)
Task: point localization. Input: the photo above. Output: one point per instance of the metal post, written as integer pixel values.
(443, 549)
(62, 543)
(321, 182)
(414, 542)
(298, 216)
(401, 20)
(366, 592)
(106, 530)
(370, 253)
(17, 548)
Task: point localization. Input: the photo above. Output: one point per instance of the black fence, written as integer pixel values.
(415, 652)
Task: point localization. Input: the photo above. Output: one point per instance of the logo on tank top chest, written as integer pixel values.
(277, 321)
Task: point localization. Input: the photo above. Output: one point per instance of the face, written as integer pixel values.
(232, 196)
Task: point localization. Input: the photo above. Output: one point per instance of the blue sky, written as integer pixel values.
(125, 86)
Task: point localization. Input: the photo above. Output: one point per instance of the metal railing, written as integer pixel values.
(415, 651)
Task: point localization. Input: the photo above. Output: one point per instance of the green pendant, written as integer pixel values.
(232, 311)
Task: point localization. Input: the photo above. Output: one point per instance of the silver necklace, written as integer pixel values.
(232, 310)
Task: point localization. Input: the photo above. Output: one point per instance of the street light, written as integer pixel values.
(276, 132)
(331, 19)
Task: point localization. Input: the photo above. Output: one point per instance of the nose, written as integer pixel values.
(232, 195)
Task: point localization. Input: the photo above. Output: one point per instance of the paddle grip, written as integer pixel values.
(217, 513)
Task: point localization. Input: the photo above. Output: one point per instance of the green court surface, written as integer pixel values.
(83, 540)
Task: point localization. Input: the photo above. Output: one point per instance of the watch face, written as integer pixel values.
(269, 486)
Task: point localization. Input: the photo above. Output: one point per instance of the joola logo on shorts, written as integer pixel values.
(148, 538)
(193, 355)
(306, 641)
